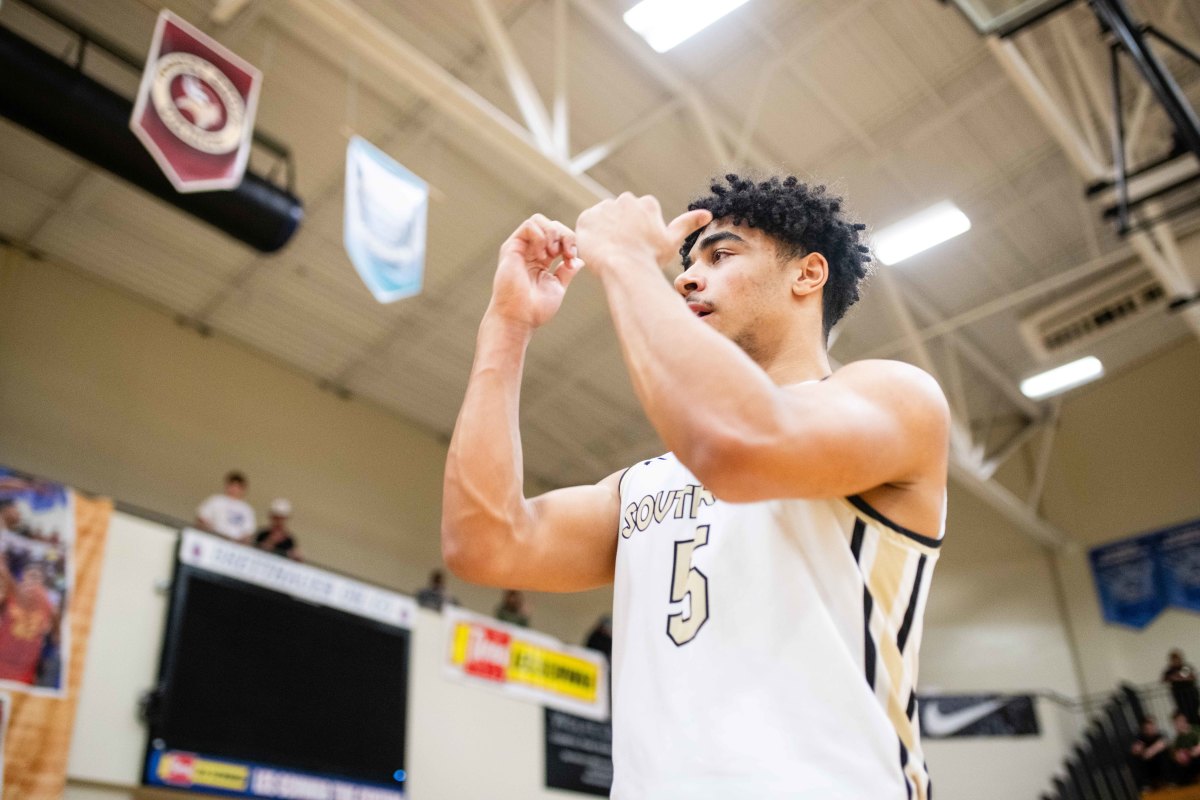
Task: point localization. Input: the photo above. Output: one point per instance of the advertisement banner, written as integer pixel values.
(1179, 564)
(949, 716)
(53, 545)
(1127, 577)
(386, 214)
(196, 772)
(578, 754)
(224, 557)
(195, 107)
(525, 664)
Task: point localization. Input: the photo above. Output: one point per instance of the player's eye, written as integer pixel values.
(719, 254)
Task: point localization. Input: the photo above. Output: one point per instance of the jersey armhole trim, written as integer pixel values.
(869, 510)
(621, 480)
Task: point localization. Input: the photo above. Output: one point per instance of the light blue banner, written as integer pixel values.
(386, 214)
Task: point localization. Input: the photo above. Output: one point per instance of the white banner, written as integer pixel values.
(525, 664)
(386, 213)
(218, 554)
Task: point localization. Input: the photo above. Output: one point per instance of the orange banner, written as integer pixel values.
(39, 730)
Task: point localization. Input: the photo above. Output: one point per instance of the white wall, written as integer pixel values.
(105, 393)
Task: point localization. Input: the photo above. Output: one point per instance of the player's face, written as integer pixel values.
(235, 489)
(32, 578)
(736, 284)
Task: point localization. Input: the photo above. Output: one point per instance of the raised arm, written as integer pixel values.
(492, 534)
(873, 424)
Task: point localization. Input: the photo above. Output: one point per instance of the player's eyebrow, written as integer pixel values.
(710, 241)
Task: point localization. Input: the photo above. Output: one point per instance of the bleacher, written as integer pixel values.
(1098, 767)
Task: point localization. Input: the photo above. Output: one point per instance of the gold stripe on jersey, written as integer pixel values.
(894, 592)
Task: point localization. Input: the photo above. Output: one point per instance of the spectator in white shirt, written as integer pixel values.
(228, 514)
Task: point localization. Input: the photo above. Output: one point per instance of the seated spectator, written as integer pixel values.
(1181, 677)
(600, 637)
(512, 609)
(276, 537)
(228, 514)
(434, 596)
(1185, 750)
(1149, 760)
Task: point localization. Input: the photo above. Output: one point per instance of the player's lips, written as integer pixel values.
(700, 309)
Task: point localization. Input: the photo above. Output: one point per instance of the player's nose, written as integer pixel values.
(689, 281)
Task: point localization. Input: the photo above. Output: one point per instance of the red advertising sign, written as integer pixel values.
(195, 107)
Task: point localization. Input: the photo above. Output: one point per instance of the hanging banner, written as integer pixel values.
(195, 107)
(1179, 564)
(1137, 578)
(385, 220)
(525, 664)
(578, 754)
(53, 545)
(952, 716)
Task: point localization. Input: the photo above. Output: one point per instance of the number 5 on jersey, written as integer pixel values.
(687, 580)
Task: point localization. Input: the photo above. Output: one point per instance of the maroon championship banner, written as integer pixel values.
(195, 107)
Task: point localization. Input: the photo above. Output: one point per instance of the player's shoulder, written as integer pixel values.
(891, 375)
(899, 384)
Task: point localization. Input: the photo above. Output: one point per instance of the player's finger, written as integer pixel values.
(534, 237)
(688, 223)
(568, 269)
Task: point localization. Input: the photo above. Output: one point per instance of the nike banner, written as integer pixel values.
(951, 716)
(1137, 578)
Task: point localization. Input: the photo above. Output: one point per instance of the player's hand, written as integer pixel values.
(627, 229)
(525, 290)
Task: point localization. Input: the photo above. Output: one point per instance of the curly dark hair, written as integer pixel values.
(802, 219)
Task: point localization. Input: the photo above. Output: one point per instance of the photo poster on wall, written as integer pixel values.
(279, 680)
(52, 542)
(1137, 578)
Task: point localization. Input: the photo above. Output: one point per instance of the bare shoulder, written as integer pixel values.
(903, 386)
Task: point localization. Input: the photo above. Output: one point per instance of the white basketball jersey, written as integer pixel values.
(764, 650)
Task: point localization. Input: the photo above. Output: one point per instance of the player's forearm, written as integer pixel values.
(699, 390)
(483, 503)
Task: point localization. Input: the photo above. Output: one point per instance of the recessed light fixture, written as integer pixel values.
(666, 23)
(920, 232)
(1060, 379)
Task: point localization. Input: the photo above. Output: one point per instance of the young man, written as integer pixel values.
(228, 514)
(771, 571)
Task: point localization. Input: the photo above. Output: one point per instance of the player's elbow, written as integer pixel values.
(725, 463)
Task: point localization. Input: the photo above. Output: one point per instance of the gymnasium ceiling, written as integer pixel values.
(898, 103)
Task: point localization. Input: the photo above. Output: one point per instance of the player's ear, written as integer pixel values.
(810, 274)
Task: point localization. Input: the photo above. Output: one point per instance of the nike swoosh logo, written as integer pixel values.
(938, 723)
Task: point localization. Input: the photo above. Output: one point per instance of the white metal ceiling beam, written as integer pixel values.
(599, 152)
(1059, 124)
(519, 82)
(560, 125)
(354, 30)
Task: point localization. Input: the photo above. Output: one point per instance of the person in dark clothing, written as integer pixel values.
(277, 538)
(1149, 759)
(1185, 750)
(434, 596)
(1181, 677)
(600, 637)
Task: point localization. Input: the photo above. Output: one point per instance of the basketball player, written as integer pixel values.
(772, 569)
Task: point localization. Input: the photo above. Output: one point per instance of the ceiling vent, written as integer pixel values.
(1078, 320)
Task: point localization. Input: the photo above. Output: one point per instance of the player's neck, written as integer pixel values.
(800, 359)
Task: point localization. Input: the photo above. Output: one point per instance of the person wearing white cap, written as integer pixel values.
(277, 537)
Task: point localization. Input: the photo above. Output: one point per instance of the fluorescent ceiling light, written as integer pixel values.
(666, 23)
(920, 232)
(1060, 379)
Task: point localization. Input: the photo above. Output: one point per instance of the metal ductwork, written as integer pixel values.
(59, 102)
